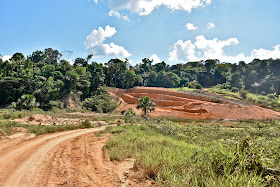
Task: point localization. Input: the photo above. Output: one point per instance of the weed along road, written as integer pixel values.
(70, 158)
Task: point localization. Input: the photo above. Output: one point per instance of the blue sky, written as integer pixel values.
(174, 31)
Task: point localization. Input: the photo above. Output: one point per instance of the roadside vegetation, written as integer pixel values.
(7, 124)
(269, 100)
(243, 154)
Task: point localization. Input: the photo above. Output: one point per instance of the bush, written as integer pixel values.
(251, 100)
(243, 93)
(234, 89)
(57, 104)
(195, 85)
(86, 123)
(274, 104)
(271, 97)
(100, 103)
(27, 102)
(129, 116)
(226, 85)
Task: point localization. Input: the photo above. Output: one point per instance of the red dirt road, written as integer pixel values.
(72, 158)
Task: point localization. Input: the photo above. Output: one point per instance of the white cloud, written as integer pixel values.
(183, 52)
(155, 58)
(213, 48)
(70, 61)
(204, 49)
(191, 26)
(118, 15)
(211, 25)
(94, 43)
(266, 54)
(6, 57)
(145, 7)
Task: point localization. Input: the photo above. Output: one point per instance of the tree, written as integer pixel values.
(130, 77)
(18, 57)
(146, 104)
(53, 55)
(152, 79)
(37, 56)
(80, 62)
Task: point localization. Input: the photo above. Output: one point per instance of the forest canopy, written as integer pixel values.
(48, 77)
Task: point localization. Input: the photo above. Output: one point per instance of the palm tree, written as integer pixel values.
(146, 104)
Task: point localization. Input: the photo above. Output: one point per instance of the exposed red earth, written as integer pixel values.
(71, 158)
(177, 104)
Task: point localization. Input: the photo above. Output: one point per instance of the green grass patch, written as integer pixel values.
(201, 155)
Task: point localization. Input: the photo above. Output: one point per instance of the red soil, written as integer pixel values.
(175, 104)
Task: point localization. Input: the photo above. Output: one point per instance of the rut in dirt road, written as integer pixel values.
(71, 158)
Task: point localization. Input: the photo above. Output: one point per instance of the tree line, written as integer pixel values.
(48, 77)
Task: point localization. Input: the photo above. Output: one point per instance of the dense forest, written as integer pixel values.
(45, 77)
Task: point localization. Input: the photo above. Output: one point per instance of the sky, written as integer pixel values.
(174, 31)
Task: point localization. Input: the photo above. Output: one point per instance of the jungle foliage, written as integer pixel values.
(48, 77)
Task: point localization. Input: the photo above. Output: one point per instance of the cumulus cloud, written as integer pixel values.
(203, 49)
(191, 26)
(118, 15)
(155, 58)
(211, 25)
(145, 7)
(266, 54)
(182, 52)
(5, 57)
(213, 48)
(95, 43)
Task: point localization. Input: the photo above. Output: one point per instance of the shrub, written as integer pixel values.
(243, 93)
(100, 103)
(195, 85)
(274, 104)
(225, 86)
(251, 100)
(129, 116)
(57, 104)
(86, 123)
(234, 89)
(27, 102)
(271, 97)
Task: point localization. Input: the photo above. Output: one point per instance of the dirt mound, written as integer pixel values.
(176, 104)
(19, 129)
(47, 120)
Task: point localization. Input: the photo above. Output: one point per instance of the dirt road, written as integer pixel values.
(72, 158)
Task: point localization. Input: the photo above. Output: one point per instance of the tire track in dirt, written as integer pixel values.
(74, 163)
(46, 160)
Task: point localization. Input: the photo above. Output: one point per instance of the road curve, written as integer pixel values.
(31, 163)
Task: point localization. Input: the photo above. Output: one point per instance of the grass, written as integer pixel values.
(261, 100)
(201, 155)
(6, 126)
(7, 115)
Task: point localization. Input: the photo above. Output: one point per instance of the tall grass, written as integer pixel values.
(201, 155)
